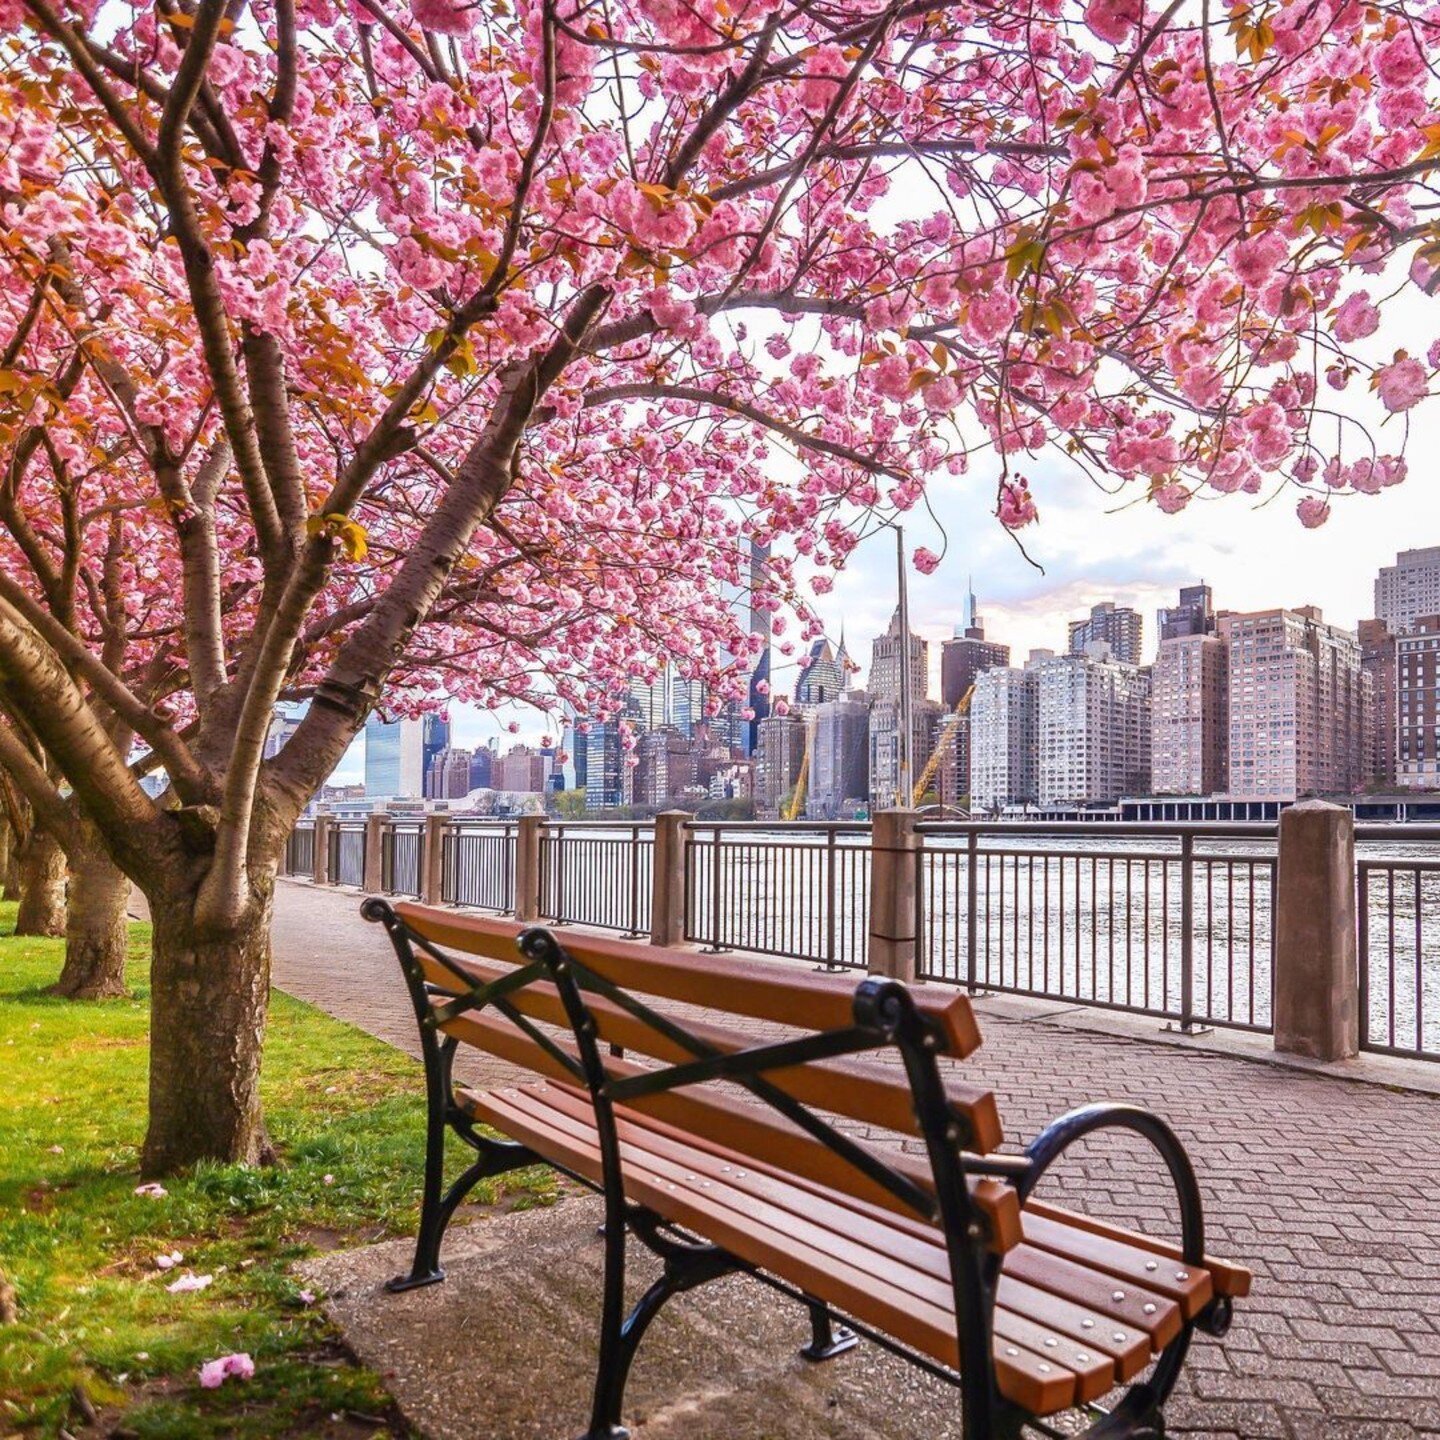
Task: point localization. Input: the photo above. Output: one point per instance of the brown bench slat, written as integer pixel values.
(916, 1243)
(1229, 1279)
(745, 1128)
(763, 991)
(1073, 1281)
(1188, 1285)
(877, 1095)
(1042, 1385)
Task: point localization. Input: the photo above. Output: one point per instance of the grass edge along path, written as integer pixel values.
(99, 1343)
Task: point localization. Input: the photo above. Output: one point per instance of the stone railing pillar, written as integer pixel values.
(1317, 1001)
(667, 898)
(894, 877)
(375, 852)
(432, 878)
(321, 874)
(528, 834)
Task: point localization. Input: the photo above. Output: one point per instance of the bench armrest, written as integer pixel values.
(1061, 1134)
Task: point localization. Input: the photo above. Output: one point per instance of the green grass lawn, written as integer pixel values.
(95, 1328)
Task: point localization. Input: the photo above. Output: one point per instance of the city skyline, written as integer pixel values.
(1250, 567)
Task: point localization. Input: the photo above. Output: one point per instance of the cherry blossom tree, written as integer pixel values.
(461, 348)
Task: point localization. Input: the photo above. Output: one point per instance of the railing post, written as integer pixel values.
(374, 879)
(321, 868)
(432, 861)
(527, 867)
(972, 913)
(1317, 1008)
(667, 892)
(894, 886)
(832, 860)
(1187, 932)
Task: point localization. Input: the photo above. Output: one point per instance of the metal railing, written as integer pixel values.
(801, 890)
(402, 858)
(598, 873)
(1172, 921)
(1397, 903)
(347, 854)
(299, 856)
(477, 864)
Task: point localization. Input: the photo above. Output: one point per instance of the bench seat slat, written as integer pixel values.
(876, 1094)
(1229, 1279)
(1129, 1264)
(729, 1218)
(778, 993)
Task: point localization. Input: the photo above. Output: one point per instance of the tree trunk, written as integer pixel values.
(42, 886)
(208, 998)
(12, 865)
(97, 931)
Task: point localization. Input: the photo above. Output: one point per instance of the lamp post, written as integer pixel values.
(903, 782)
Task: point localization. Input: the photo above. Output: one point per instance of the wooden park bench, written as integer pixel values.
(943, 1257)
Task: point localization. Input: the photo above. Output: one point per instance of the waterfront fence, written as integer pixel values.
(1172, 921)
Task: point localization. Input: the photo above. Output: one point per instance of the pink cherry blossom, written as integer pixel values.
(189, 1283)
(1356, 318)
(1313, 511)
(1016, 507)
(1172, 499)
(926, 561)
(152, 1190)
(1401, 385)
(214, 1373)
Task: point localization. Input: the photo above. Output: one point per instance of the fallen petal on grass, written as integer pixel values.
(214, 1373)
(187, 1283)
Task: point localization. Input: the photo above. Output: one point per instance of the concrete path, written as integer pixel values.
(1329, 1189)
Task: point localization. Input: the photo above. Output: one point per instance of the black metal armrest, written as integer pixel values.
(1061, 1134)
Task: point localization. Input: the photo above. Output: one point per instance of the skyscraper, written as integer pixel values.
(884, 679)
(1003, 738)
(1093, 728)
(778, 757)
(1120, 627)
(1378, 665)
(1194, 614)
(1190, 714)
(448, 777)
(1296, 694)
(1408, 589)
(382, 757)
(1417, 663)
(839, 757)
(823, 678)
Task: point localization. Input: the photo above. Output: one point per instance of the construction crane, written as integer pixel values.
(802, 780)
(942, 744)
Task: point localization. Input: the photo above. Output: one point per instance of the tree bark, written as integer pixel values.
(42, 886)
(12, 869)
(96, 929)
(209, 996)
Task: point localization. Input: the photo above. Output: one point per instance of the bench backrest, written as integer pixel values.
(712, 1016)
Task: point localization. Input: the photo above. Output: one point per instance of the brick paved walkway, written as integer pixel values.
(1328, 1189)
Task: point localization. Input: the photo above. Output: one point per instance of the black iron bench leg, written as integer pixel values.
(827, 1339)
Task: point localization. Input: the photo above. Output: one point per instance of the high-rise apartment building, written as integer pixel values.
(839, 757)
(1190, 715)
(522, 770)
(779, 753)
(885, 653)
(1296, 712)
(448, 777)
(1417, 665)
(962, 659)
(1193, 615)
(885, 787)
(1003, 738)
(1093, 728)
(482, 768)
(1117, 626)
(666, 767)
(1377, 665)
(1408, 589)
